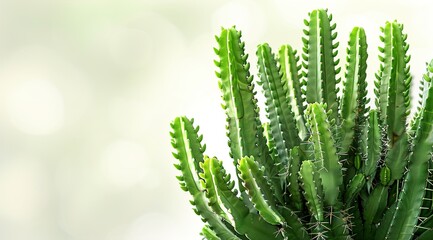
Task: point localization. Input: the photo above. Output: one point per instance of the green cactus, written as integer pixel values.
(324, 166)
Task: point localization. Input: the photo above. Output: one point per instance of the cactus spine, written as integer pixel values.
(323, 166)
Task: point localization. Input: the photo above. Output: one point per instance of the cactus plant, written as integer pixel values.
(325, 165)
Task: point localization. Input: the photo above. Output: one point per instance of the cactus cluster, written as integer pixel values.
(326, 165)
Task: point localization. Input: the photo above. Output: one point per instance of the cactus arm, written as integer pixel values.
(312, 189)
(394, 81)
(279, 110)
(295, 229)
(259, 229)
(190, 136)
(271, 144)
(313, 193)
(383, 78)
(282, 124)
(289, 70)
(340, 229)
(396, 158)
(397, 107)
(277, 169)
(326, 158)
(219, 191)
(413, 126)
(357, 221)
(219, 186)
(354, 94)
(375, 205)
(372, 146)
(243, 124)
(355, 186)
(427, 205)
(208, 234)
(427, 235)
(426, 224)
(408, 205)
(319, 54)
(189, 152)
(293, 178)
(232, 229)
(398, 101)
(259, 190)
(423, 93)
(312, 53)
(330, 62)
(387, 218)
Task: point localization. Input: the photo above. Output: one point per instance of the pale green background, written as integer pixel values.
(88, 88)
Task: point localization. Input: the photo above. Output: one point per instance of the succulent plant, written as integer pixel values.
(325, 165)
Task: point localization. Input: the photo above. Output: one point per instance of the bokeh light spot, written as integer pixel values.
(124, 163)
(35, 107)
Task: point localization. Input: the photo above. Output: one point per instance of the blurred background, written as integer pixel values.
(88, 89)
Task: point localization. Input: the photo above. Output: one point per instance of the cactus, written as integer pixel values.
(324, 165)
